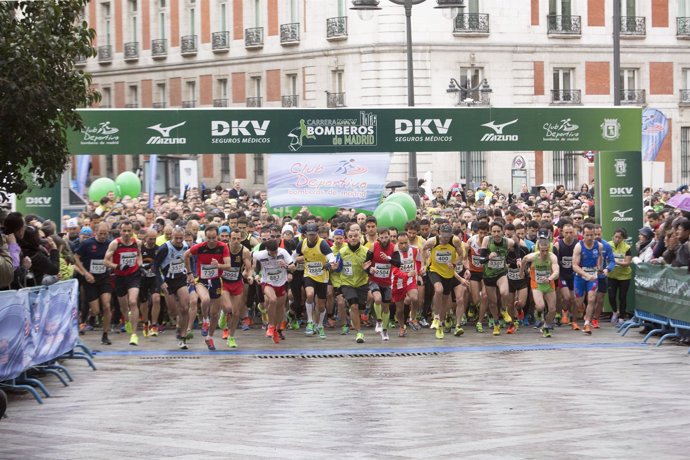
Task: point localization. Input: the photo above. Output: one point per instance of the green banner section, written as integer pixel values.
(44, 202)
(193, 131)
(663, 290)
(619, 193)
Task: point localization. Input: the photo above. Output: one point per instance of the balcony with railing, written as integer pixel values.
(254, 102)
(566, 96)
(159, 48)
(633, 96)
(289, 34)
(80, 60)
(290, 101)
(633, 26)
(334, 100)
(564, 26)
(220, 41)
(131, 51)
(683, 28)
(188, 45)
(220, 102)
(189, 104)
(336, 28)
(132, 105)
(105, 54)
(471, 24)
(160, 105)
(254, 38)
(685, 97)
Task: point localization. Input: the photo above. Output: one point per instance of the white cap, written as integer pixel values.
(288, 228)
(72, 223)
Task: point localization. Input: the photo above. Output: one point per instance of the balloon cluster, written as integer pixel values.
(395, 211)
(126, 184)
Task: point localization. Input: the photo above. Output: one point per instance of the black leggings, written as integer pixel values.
(619, 287)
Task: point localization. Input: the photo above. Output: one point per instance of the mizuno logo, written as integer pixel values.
(165, 132)
(622, 213)
(620, 216)
(498, 129)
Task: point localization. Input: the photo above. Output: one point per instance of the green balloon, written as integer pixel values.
(325, 212)
(129, 184)
(391, 215)
(283, 211)
(406, 201)
(100, 188)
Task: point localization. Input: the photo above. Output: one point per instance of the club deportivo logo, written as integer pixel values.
(497, 135)
(621, 216)
(562, 130)
(621, 167)
(610, 129)
(164, 137)
(100, 135)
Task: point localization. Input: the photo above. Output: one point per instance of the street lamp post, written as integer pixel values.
(373, 5)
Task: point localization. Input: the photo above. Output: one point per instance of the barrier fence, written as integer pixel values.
(38, 326)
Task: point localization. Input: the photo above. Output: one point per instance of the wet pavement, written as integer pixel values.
(475, 396)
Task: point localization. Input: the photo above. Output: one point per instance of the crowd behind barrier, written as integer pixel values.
(38, 327)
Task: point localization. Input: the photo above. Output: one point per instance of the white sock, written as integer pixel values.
(310, 311)
(321, 317)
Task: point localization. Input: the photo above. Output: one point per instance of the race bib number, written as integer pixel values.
(407, 265)
(514, 274)
(443, 257)
(274, 276)
(176, 268)
(496, 264)
(590, 270)
(476, 261)
(567, 262)
(542, 276)
(97, 267)
(315, 268)
(347, 268)
(209, 271)
(232, 275)
(128, 259)
(382, 270)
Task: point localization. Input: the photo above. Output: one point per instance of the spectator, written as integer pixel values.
(237, 191)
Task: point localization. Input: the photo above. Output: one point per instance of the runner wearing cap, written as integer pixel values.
(445, 251)
(124, 256)
(316, 255)
(544, 271)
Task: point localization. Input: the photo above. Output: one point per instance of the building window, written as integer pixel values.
(161, 96)
(225, 168)
(629, 84)
(190, 94)
(684, 155)
(106, 97)
(107, 22)
(294, 11)
(258, 168)
(109, 166)
(475, 174)
(563, 85)
(162, 13)
(565, 169)
(133, 96)
(132, 10)
(191, 14)
(257, 13)
(559, 7)
(223, 16)
(470, 78)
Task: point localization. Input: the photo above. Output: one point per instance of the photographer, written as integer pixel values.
(42, 253)
(9, 255)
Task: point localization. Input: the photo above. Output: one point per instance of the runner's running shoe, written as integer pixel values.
(379, 327)
(360, 337)
(435, 324)
(587, 330)
(344, 330)
(511, 329)
(322, 332)
(128, 327)
(270, 330)
(205, 325)
(105, 340)
(384, 335)
(276, 336)
(280, 334)
(479, 327)
(153, 332)
(595, 323)
(614, 317)
(189, 335)
(183, 344)
(439, 332)
(414, 324)
(506, 316)
(145, 330)
(226, 333)
(134, 340)
(294, 324)
(574, 326)
(458, 331)
(497, 329)
(222, 320)
(310, 329)
(402, 331)
(232, 343)
(423, 322)
(545, 332)
(209, 343)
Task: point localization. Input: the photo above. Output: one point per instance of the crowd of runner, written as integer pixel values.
(213, 263)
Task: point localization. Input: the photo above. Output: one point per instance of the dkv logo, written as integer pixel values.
(239, 128)
(41, 201)
(422, 126)
(165, 132)
(625, 192)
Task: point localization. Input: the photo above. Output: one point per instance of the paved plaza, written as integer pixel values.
(477, 397)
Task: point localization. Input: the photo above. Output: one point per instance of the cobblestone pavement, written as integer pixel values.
(476, 397)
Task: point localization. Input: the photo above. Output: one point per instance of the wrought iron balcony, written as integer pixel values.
(566, 96)
(189, 104)
(289, 33)
(159, 48)
(685, 97)
(471, 24)
(254, 37)
(290, 101)
(131, 51)
(160, 105)
(105, 54)
(564, 25)
(335, 100)
(80, 60)
(253, 102)
(336, 28)
(683, 27)
(188, 45)
(220, 103)
(470, 97)
(220, 41)
(131, 105)
(633, 96)
(633, 26)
